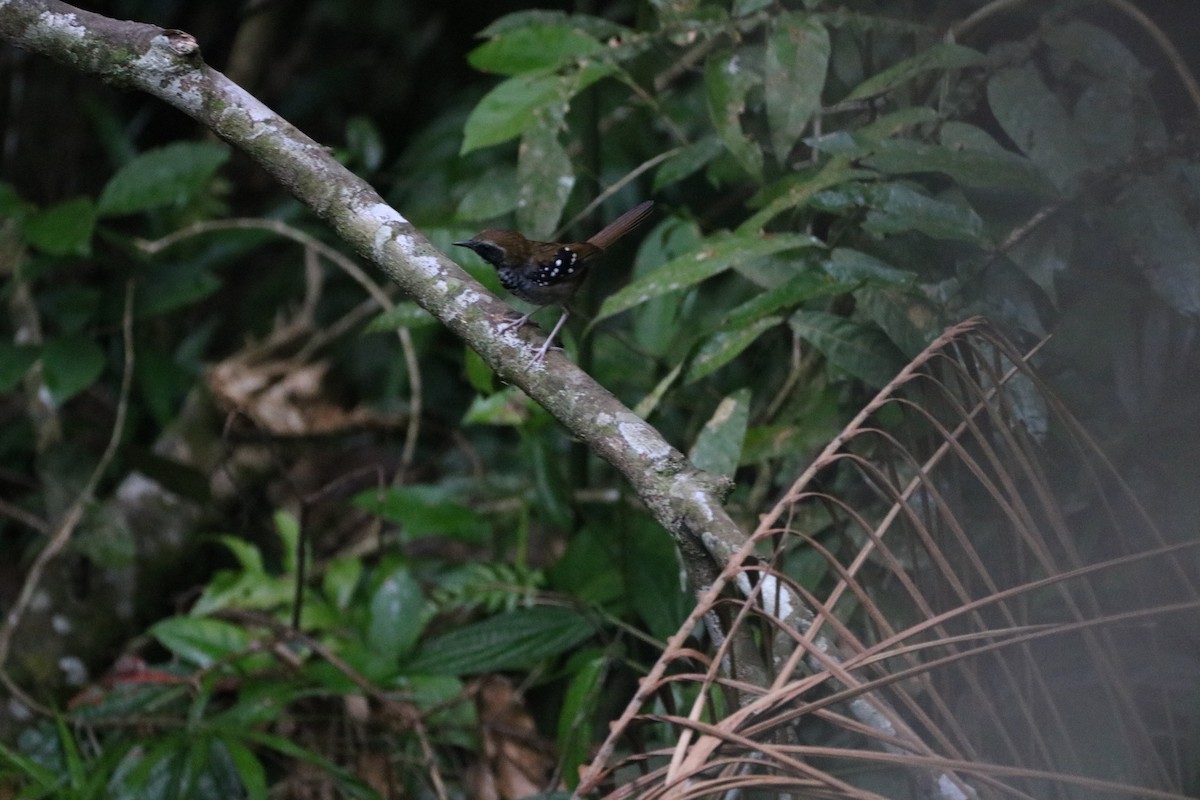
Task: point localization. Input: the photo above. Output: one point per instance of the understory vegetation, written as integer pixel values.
(270, 530)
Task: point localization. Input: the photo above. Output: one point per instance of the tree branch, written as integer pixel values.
(168, 65)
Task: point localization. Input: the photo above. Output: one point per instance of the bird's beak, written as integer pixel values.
(467, 243)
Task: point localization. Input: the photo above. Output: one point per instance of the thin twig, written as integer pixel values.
(24, 517)
(616, 187)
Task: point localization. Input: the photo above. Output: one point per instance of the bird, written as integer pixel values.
(548, 273)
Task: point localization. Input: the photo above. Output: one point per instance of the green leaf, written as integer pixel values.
(73, 307)
(656, 325)
(364, 141)
(515, 105)
(650, 402)
(648, 556)
(797, 59)
(426, 510)
(1151, 214)
(1107, 118)
(904, 313)
(533, 47)
(1036, 121)
(287, 528)
(978, 168)
(516, 640)
(508, 110)
(405, 314)
(479, 374)
(938, 57)
(252, 590)
(29, 770)
(687, 161)
(719, 254)
(64, 229)
(15, 361)
(598, 27)
(508, 407)
(552, 491)
(718, 446)
(396, 614)
(898, 209)
(589, 569)
(579, 705)
(1098, 50)
(250, 771)
(201, 641)
(247, 554)
(70, 365)
(854, 266)
(340, 581)
(803, 286)
(723, 346)
(860, 350)
(727, 78)
(898, 123)
(742, 8)
(493, 194)
(166, 287)
(545, 177)
(797, 190)
(167, 176)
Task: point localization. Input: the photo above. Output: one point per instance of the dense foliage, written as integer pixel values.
(834, 186)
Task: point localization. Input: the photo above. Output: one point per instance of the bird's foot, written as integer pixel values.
(513, 324)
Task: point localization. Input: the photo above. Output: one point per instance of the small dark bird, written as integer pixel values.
(548, 273)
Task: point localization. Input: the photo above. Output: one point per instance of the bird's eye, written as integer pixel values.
(489, 251)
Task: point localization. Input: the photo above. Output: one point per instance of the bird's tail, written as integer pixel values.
(622, 225)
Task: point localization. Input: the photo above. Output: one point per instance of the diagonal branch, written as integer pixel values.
(168, 65)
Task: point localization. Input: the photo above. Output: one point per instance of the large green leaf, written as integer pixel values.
(396, 615)
(686, 161)
(849, 266)
(15, 361)
(897, 208)
(405, 314)
(717, 255)
(1100, 51)
(70, 365)
(983, 169)
(806, 285)
(718, 446)
(597, 27)
(723, 346)
(1151, 215)
(508, 110)
(534, 47)
(796, 61)
(940, 56)
(797, 190)
(167, 176)
(515, 640)
(728, 77)
(63, 229)
(491, 194)
(584, 694)
(1036, 121)
(426, 510)
(515, 105)
(201, 641)
(545, 177)
(860, 350)
(165, 287)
